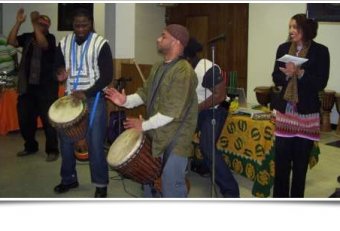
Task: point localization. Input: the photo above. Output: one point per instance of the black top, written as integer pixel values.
(105, 68)
(47, 59)
(314, 79)
(211, 78)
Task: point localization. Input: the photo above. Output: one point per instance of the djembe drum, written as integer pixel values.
(263, 95)
(81, 150)
(327, 102)
(337, 104)
(130, 155)
(69, 116)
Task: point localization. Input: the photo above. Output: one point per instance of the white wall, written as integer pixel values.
(150, 21)
(125, 31)
(50, 9)
(268, 27)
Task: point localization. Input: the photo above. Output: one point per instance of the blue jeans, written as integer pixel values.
(223, 176)
(173, 179)
(95, 138)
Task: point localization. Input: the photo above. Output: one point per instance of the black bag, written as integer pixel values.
(116, 126)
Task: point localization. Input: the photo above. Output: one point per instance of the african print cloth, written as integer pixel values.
(248, 147)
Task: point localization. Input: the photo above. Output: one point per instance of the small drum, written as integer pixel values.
(130, 155)
(327, 102)
(81, 150)
(337, 104)
(263, 95)
(70, 117)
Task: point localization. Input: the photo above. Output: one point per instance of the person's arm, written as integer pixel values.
(279, 78)
(133, 100)
(156, 121)
(40, 37)
(12, 37)
(59, 65)
(105, 69)
(218, 95)
(316, 73)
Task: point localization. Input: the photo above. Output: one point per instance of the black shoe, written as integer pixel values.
(61, 188)
(25, 153)
(53, 156)
(101, 192)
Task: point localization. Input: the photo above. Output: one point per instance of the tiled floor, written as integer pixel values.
(33, 177)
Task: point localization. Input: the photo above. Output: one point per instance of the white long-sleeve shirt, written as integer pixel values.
(156, 121)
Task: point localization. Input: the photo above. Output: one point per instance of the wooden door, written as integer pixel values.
(208, 20)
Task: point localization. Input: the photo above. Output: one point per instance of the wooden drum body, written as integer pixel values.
(327, 102)
(263, 95)
(69, 117)
(130, 155)
(337, 104)
(81, 150)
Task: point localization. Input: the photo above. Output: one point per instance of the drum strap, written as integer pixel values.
(171, 145)
(158, 79)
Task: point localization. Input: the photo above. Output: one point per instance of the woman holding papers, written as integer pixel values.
(297, 107)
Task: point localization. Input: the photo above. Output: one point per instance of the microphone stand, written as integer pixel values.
(213, 124)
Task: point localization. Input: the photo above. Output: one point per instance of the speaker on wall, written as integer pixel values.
(324, 12)
(65, 14)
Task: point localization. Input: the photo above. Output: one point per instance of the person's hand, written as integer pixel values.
(290, 70)
(21, 17)
(78, 96)
(34, 17)
(135, 123)
(62, 74)
(115, 96)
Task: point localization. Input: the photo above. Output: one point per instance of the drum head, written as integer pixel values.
(262, 89)
(65, 110)
(124, 147)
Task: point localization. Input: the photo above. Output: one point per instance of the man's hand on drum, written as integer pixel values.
(62, 74)
(115, 96)
(78, 96)
(135, 123)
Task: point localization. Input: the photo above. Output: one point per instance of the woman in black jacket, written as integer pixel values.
(298, 105)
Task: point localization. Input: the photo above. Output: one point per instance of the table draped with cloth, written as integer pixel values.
(248, 149)
(8, 110)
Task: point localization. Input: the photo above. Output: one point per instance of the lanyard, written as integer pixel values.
(74, 58)
(75, 83)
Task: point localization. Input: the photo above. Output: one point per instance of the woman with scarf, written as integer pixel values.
(298, 105)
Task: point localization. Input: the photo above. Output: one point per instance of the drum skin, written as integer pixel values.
(130, 155)
(70, 117)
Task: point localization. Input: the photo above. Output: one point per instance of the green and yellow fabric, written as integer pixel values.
(248, 147)
(7, 52)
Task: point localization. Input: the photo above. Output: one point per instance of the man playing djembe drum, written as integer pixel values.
(84, 60)
(170, 97)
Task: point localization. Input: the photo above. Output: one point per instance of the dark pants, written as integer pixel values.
(291, 154)
(95, 139)
(31, 105)
(223, 176)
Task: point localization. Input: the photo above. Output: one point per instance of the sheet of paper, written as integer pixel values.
(296, 60)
